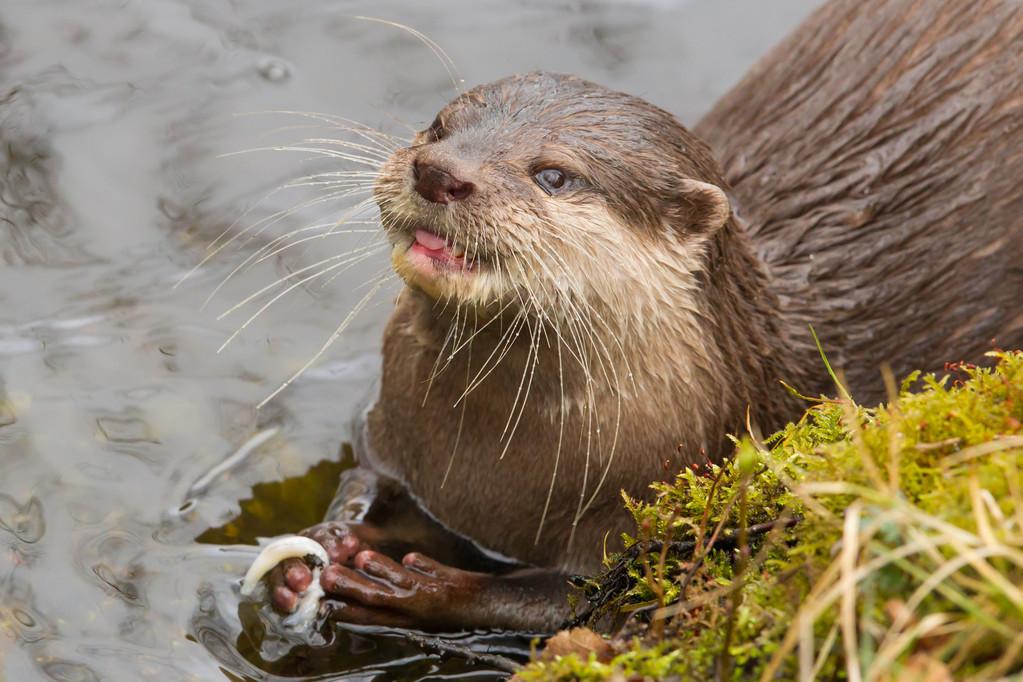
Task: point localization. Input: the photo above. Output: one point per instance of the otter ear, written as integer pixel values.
(706, 206)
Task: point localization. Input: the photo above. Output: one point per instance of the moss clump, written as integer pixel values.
(857, 543)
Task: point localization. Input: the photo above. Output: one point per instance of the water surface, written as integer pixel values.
(121, 532)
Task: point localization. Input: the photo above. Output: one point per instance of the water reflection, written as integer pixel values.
(124, 435)
(24, 522)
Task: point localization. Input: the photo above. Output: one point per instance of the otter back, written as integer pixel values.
(877, 155)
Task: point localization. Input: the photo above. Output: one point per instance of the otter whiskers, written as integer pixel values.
(436, 49)
(575, 316)
(257, 256)
(362, 155)
(260, 226)
(378, 284)
(347, 260)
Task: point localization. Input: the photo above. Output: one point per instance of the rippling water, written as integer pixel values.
(122, 532)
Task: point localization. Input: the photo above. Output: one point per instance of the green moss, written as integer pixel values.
(654, 662)
(868, 539)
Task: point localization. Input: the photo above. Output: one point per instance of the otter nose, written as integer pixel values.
(438, 185)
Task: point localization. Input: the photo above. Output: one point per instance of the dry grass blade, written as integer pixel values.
(848, 588)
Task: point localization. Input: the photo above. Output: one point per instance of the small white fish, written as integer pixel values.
(292, 546)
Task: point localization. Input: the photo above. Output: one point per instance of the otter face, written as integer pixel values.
(543, 189)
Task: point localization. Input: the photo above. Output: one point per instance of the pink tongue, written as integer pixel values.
(430, 240)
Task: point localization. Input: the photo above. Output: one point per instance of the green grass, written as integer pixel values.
(859, 544)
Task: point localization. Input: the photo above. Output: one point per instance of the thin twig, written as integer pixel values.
(443, 648)
(616, 581)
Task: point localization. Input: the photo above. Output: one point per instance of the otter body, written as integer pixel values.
(594, 301)
(875, 160)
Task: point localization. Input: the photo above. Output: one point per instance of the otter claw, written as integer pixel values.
(293, 546)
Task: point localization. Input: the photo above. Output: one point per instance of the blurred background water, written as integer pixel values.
(121, 535)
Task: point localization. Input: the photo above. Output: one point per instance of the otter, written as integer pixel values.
(594, 293)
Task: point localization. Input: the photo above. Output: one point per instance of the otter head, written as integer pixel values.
(543, 189)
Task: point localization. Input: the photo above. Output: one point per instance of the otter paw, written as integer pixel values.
(418, 592)
(292, 577)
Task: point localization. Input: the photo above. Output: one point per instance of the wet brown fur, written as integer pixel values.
(878, 157)
(874, 162)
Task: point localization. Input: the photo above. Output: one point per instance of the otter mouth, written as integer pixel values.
(437, 265)
(436, 252)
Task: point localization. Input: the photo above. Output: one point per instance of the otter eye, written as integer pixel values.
(551, 180)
